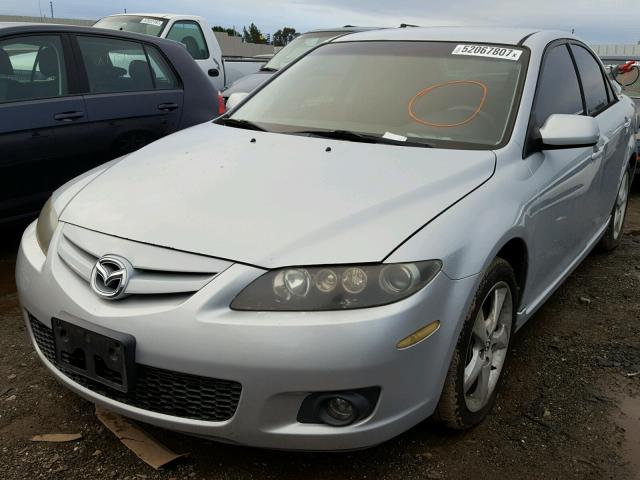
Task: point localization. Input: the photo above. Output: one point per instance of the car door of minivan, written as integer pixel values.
(38, 108)
(133, 96)
(614, 129)
(567, 178)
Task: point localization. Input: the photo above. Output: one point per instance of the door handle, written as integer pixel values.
(598, 151)
(167, 107)
(68, 116)
(626, 125)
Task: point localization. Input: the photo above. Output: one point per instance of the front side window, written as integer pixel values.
(115, 65)
(558, 88)
(595, 91)
(32, 67)
(433, 93)
(297, 48)
(190, 35)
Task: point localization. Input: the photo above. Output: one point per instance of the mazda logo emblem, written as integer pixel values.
(110, 276)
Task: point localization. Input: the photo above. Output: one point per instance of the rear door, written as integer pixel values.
(38, 110)
(133, 94)
(614, 128)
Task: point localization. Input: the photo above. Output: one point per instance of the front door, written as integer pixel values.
(561, 214)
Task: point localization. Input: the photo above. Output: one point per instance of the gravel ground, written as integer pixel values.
(569, 406)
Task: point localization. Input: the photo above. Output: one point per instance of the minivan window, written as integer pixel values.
(558, 88)
(115, 65)
(133, 23)
(595, 92)
(32, 67)
(190, 35)
(427, 92)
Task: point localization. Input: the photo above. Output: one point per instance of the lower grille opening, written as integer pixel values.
(157, 390)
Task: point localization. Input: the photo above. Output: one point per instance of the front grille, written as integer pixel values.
(157, 390)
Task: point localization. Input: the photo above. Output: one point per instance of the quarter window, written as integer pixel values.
(595, 92)
(190, 35)
(122, 66)
(558, 88)
(31, 68)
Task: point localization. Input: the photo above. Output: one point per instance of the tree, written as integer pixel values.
(283, 36)
(253, 35)
(232, 32)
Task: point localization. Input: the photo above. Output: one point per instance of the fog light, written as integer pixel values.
(339, 409)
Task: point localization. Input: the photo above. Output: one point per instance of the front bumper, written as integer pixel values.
(278, 358)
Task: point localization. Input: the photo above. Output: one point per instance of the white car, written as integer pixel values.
(195, 33)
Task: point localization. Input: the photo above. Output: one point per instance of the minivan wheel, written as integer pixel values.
(481, 352)
(612, 236)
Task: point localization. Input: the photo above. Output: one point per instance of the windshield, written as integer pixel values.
(297, 48)
(443, 94)
(626, 73)
(133, 23)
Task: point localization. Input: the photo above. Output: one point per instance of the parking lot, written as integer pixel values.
(569, 408)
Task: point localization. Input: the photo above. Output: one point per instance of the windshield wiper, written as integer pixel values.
(358, 137)
(234, 122)
(268, 69)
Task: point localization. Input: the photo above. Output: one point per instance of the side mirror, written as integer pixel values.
(569, 131)
(214, 72)
(235, 99)
(617, 88)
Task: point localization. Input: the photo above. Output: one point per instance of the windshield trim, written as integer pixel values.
(435, 143)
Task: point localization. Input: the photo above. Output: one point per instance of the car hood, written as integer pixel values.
(248, 83)
(274, 200)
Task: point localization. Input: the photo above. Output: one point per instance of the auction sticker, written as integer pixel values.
(152, 21)
(504, 53)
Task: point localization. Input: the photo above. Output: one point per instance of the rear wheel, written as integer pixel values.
(612, 236)
(481, 353)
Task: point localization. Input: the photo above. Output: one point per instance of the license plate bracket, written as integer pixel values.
(100, 354)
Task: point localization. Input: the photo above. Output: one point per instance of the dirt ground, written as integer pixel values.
(569, 406)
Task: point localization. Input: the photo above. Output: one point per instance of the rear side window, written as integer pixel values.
(115, 65)
(190, 35)
(32, 68)
(558, 87)
(595, 92)
(164, 77)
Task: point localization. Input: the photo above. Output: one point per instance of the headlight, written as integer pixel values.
(335, 287)
(47, 223)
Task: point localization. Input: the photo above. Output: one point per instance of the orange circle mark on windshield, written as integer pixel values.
(430, 89)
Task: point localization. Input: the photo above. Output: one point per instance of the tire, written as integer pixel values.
(612, 236)
(457, 409)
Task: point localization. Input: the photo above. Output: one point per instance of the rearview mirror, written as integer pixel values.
(235, 99)
(569, 131)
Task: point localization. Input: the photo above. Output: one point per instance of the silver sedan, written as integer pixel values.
(346, 253)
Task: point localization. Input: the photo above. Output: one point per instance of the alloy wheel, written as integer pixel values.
(621, 206)
(488, 347)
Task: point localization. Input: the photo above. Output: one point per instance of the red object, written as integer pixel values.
(222, 108)
(626, 67)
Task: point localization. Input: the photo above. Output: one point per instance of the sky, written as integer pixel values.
(603, 21)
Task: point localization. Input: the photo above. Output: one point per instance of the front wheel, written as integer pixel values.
(612, 236)
(481, 352)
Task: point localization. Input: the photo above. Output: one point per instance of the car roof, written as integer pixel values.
(497, 35)
(166, 16)
(9, 28)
